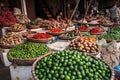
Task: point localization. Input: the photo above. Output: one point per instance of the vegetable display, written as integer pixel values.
(16, 27)
(11, 39)
(32, 25)
(65, 65)
(42, 36)
(22, 18)
(70, 35)
(112, 34)
(83, 28)
(7, 18)
(28, 51)
(28, 33)
(56, 30)
(84, 44)
(95, 31)
(67, 36)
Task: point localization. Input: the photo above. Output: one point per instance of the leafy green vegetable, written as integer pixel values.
(113, 34)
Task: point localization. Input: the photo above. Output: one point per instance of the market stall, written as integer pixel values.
(50, 49)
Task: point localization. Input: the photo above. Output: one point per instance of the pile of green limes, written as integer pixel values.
(28, 50)
(65, 65)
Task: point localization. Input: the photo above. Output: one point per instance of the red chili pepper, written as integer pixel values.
(83, 28)
(95, 30)
(42, 36)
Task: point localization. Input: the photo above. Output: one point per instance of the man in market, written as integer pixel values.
(114, 13)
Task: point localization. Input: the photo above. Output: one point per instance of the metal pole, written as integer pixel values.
(23, 5)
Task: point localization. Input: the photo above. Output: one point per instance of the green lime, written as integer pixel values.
(67, 77)
(62, 76)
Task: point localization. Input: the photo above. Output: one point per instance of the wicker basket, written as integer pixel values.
(107, 25)
(10, 46)
(95, 33)
(34, 65)
(27, 34)
(90, 54)
(63, 37)
(84, 30)
(23, 62)
(108, 40)
(33, 27)
(39, 40)
(56, 33)
(93, 24)
(10, 30)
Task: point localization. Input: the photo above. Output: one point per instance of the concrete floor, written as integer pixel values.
(4, 72)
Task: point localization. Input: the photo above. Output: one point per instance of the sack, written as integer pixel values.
(110, 54)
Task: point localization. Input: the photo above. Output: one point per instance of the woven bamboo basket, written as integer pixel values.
(65, 38)
(107, 25)
(35, 63)
(10, 46)
(33, 26)
(23, 62)
(10, 30)
(108, 40)
(39, 40)
(56, 33)
(95, 33)
(93, 24)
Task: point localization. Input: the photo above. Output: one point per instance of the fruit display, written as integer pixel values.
(95, 31)
(16, 27)
(40, 37)
(7, 18)
(66, 65)
(11, 39)
(112, 34)
(28, 51)
(84, 44)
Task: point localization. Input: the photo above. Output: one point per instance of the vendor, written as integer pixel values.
(114, 13)
(94, 11)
